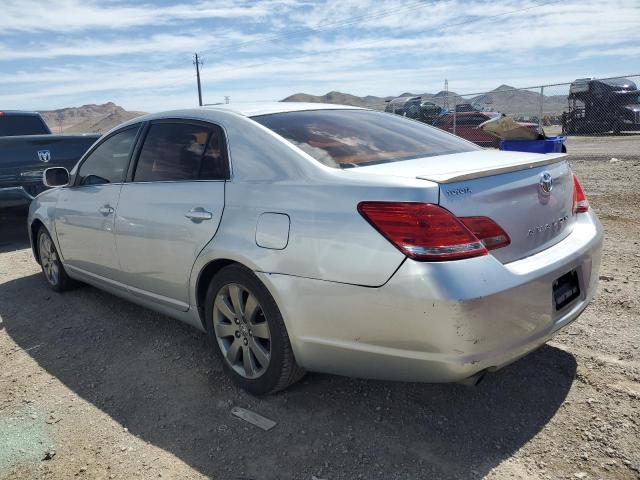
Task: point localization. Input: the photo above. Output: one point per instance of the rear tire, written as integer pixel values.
(246, 330)
(52, 268)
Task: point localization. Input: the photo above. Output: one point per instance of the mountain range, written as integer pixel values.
(504, 99)
(94, 118)
(87, 118)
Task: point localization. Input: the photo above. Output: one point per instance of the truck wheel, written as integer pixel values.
(246, 329)
(52, 267)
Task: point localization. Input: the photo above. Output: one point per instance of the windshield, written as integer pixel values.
(351, 138)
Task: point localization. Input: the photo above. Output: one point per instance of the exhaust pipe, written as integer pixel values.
(474, 379)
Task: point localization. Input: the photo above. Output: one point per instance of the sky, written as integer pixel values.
(56, 54)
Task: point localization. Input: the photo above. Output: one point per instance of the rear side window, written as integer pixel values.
(108, 162)
(181, 151)
(12, 125)
(351, 138)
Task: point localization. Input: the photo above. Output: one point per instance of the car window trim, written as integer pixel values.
(98, 144)
(202, 123)
(136, 151)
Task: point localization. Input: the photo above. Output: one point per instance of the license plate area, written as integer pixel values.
(566, 289)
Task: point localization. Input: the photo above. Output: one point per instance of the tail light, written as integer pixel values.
(487, 231)
(580, 202)
(424, 231)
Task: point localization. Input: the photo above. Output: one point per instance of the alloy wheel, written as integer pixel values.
(242, 330)
(49, 260)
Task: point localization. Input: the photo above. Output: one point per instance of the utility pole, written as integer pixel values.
(226, 99)
(445, 105)
(198, 63)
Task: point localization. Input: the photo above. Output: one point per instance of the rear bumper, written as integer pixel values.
(438, 322)
(14, 197)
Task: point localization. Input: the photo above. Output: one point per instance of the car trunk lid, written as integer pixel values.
(533, 205)
(529, 195)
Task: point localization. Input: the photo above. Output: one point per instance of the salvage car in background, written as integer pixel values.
(326, 238)
(27, 147)
(414, 107)
(600, 106)
(466, 125)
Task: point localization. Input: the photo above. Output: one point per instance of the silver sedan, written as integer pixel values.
(325, 238)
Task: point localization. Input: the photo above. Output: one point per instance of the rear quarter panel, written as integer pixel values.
(328, 239)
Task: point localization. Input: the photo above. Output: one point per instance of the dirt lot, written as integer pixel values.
(623, 146)
(94, 387)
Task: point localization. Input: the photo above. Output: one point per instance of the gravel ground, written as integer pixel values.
(92, 386)
(623, 146)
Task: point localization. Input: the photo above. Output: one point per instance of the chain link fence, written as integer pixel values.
(584, 107)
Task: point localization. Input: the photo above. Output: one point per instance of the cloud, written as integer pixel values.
(73, 51)
(162, 43)
(78, 15)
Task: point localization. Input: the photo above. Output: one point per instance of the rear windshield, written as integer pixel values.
(12, 125)
(351, 138)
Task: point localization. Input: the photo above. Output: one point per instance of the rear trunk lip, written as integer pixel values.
(457, 176)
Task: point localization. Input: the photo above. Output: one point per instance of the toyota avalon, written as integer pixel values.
(325, 238)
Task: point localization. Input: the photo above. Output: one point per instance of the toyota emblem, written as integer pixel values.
(546, 183)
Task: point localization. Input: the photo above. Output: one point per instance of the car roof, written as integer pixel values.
(215, 112)
(267, 108)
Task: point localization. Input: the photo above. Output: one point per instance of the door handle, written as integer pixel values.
(198, 214)
(106, 210)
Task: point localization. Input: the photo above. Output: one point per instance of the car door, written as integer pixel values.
(171, 207)
(86, 210)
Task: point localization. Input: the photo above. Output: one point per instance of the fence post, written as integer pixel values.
(455, 112)
(540, 113)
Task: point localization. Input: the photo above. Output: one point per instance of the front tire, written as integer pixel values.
(246, 329)
(50, 263)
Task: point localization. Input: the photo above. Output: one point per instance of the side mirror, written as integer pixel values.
(56, 177)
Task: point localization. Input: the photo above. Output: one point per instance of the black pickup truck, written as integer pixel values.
(27, 148)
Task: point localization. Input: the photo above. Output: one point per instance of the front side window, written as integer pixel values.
(351, 138)
(181, 151)
(108, 162)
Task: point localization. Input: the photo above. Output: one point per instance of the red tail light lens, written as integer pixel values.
(580, 202)
(422, 231)
(487, 231)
